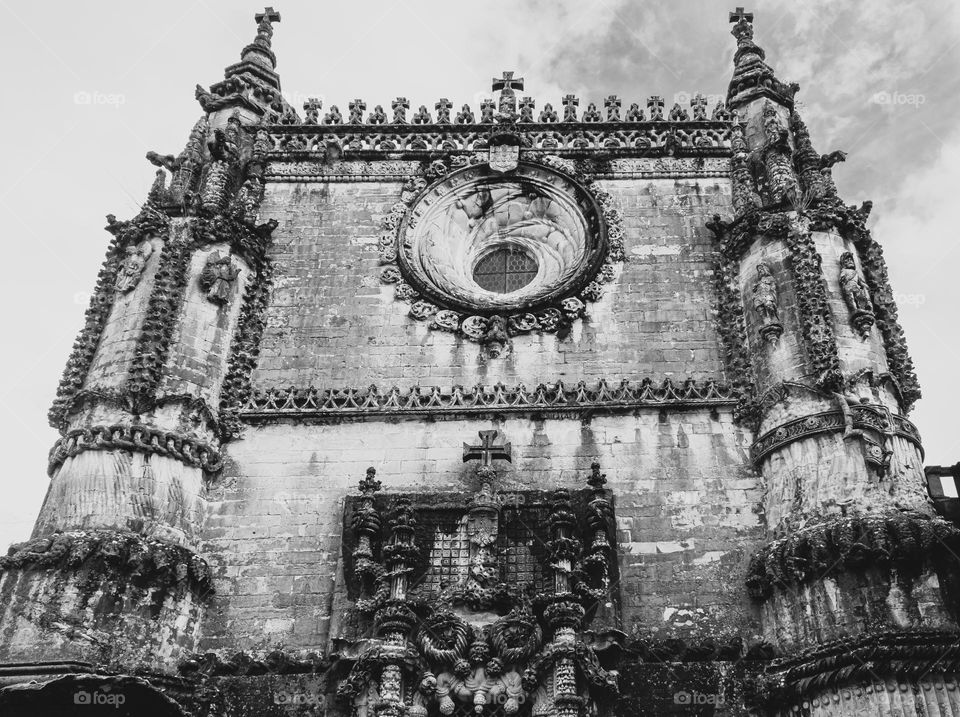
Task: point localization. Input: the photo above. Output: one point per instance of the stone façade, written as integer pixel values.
(759, 539)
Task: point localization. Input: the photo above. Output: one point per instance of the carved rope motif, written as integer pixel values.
(141, 439)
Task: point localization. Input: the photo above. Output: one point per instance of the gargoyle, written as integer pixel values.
(828, 160)
(167, 161)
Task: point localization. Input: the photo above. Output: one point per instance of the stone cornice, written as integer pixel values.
(338, 404)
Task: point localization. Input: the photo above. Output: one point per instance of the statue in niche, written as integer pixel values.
(131, 269)
(766, 302)
(218, 276)
(856, 294)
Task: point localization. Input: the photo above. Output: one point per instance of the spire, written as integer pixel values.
(257, 62)
(251, 85)
(752, 76)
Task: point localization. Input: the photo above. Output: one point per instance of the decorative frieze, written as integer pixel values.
(373, 170)
(857, 417)
(692, 139)
(142, 439)
(435, 400)
(114, 554)
(244, 664)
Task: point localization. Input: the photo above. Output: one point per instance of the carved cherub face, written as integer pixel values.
(846, 261)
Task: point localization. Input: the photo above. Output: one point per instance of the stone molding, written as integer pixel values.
(459, 401)
(702, 138)
(864, 417)
(377, 170)
(139, 438)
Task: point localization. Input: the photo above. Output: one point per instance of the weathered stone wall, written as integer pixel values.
(96, 617)
(156, 496)
(332, 324)
(687, 511)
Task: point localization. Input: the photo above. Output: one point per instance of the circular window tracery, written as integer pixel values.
(479, 253)
(505, 269)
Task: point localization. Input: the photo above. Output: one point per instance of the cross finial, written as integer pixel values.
(487, 452)
(508, 82)
(268, 14)
(739, 14)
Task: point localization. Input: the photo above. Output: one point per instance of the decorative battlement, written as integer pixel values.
(697, 110)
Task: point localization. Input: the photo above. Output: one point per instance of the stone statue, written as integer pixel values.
(131, 269)
(854, 289)
(766, 303)
(856, 294)
(218, 276)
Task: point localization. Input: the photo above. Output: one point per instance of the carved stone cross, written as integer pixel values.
(508, 99)
(487, 452)
(613, 104)
(738, 15)
(527, 106)
(508, 82)
(357, 107)
(443, 108)
(268, 14)
(400, 107)
(699, 106)
(655, 105)
(570, 104)
(312, 109)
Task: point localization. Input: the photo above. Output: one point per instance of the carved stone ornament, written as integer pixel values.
(132, 266)
(450, 219)
(218, 277)
(766, 303)
(504, 157)
(856, 294)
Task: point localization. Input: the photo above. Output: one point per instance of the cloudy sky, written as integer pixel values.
(91, 87)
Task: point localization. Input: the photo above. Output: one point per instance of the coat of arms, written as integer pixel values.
(504, 157)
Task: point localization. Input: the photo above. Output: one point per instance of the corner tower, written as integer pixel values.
(113, 576)
(857, 563)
